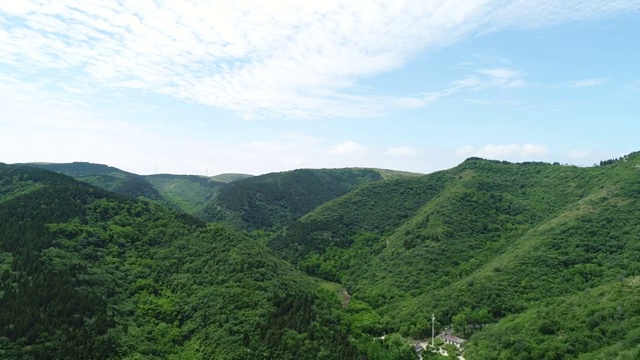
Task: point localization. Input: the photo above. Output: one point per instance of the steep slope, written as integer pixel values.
(277, 199)
(600, 323)
(474, 243)
(89, 274)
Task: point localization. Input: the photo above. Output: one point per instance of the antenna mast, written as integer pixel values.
(433, 319)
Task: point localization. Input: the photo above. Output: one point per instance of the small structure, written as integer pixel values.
(451, 339)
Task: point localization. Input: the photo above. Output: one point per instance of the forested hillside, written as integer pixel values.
(527, 261)
(105, 177)
(244, 202)
(188, 193)
(87, 274)
(481, 243)
(600, 323)
(277, 199)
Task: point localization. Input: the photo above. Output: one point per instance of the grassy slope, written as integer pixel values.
(395, 174)
(188, 193)
(227, 178)
(480, 241)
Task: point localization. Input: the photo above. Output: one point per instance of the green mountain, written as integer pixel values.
(227, 178)
(526, 261)
(600, 323)
(275, 200)
(188, 193)
(478, 244)
(88, 274)
(105, 177)
(241, 201)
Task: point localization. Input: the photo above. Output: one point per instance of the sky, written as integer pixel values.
(210, 87)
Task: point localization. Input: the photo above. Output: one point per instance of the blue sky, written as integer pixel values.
(207, 87)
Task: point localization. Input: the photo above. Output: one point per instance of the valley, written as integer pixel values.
(524, 260)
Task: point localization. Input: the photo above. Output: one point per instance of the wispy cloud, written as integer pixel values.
(347, 148)
(60, 130)
(502, 77)
(402, 151)
(271, 58)
(578, 154)
(583, 83)
(478, 80)
(505, 152)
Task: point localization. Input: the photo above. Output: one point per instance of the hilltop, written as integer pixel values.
(227, 178)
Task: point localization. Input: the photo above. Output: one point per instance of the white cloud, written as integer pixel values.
(527, 14)
(588, 82)
(505, 152)
(402, 151)
(501, 78)
(578, 154)
(273, 58)
(64, 130)
(347, 148)
(466, 151)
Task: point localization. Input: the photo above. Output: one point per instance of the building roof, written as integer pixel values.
(452, 338)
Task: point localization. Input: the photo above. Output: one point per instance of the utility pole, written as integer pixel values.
(433, 333)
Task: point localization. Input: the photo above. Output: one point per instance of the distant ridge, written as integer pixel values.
(105, 177)
(229, 177)
(242, 201)
(274, 200)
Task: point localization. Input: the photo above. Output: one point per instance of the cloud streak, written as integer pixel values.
(503, 152)
(584, 83)
(275, 58)
(402, 151)
(347, 148)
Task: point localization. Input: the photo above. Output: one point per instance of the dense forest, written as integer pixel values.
(525, 261)
(87, 274)
(106, 177)
(243, 202)
(480, 244)
(275, 200)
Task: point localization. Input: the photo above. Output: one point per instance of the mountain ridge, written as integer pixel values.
(244, 202)
(486, 246)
